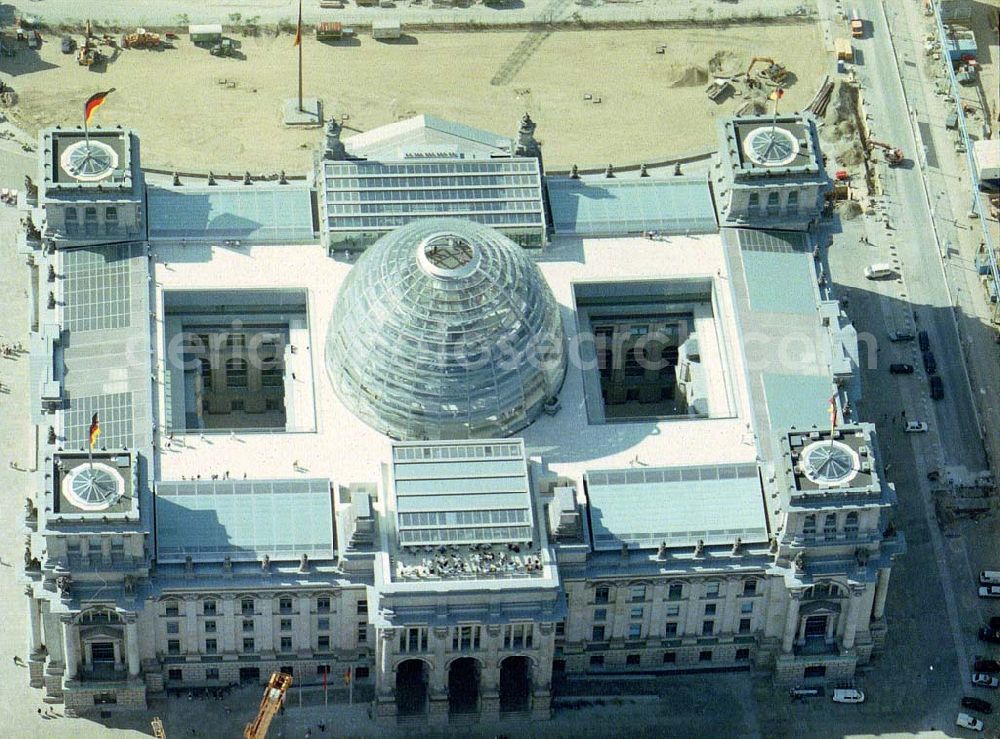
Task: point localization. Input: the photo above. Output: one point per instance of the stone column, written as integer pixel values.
(191, 646)
(303, 635)
(34, 622)
(267, 625)
(791, 621)
(228, 624)
(132, 644)
(853, 611)
(881, 591)
(71, 651)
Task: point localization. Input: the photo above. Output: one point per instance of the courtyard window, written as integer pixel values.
(172, 608)
(465, 638)
(712, 589)
(236, 373)
(708, 628)
(173, 646)
(323, 605)
(744, 625)
(286, 644)
(671, 629)
(413, 639)
(246, 606)
(602, 594)
(598, 633)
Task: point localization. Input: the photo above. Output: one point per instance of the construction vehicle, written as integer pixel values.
(270, 704)
(857, 25)
(718, 90)
(223, 48)
(773, 73)
(329, 31)
(158, 731)
(893, 156)
(87, 55)
(141, 39)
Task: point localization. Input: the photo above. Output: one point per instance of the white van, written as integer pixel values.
(880, 271)
(989, 577)
(848, 695)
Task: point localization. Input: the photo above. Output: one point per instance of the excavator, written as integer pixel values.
(270, 704)
(773, 73)
(893, 156)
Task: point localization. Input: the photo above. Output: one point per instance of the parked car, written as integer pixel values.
(995, 623)
(989, 635)
(977, 704)
(898, 368)
(985, 681)
(989, 577)
(880, 271)
(923, 340)
(930, 363)
(966, 721)
(68, 44)
(937, 387)
(848, 695)
(989, 591)
(990, 666)
(900, 336)
(915, 427)
(803, 692)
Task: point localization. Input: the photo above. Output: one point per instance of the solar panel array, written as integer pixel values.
(463, 493)
(209, 520)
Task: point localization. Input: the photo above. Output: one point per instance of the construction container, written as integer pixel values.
(206, 35)
(844, 49)
(329, 31)
(386, 29)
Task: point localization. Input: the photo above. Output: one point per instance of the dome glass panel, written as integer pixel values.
(445, 329)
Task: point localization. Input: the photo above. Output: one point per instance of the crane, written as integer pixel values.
(274, 694)
(893, 156)
(158, 731)
(774, 72)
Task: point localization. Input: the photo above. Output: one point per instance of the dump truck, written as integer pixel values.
(205, 35)
(857, 25)
(845, 52)
(329, 31)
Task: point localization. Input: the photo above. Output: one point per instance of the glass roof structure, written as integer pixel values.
(445, 329)
(209, 520)
(615, 207)
(678, 506)
(469, 493)
(364, 199)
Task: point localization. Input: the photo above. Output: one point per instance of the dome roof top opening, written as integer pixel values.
(445, 329)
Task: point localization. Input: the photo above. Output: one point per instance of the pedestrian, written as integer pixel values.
(39, 711)
(17, 660)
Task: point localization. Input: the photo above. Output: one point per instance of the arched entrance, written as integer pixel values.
(411, 687)
(515, 684)
(463, 686)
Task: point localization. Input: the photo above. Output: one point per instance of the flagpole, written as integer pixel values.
(86, 131)
(299, 36)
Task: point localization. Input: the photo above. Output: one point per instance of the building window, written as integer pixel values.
(753, 201)
(236, 373)
(635, 631)
(322, 624)
(710, 609)
(285, 605)
(602, 594)
(172, 608)
(465, 637)
(273, 404)
(636, 614)
(173, 627)
(707, 628)
(361, 673)
(237, 405)
(560, 629)
(248, 645)
(742, 655)
(744, 625)
(212, 673)
(676, 591)
(248, 625)
(712, 589)
(518, 636)
(175, 674)
(598, 633)
(362, 607)
(362, 633)
(705, 655)
(793, 201)
(323, 605)
(773, 199)
(72, 222)
(596, 662)
(211, 646)
(90, 221)
(671, 629)
(206, 373)
(210, 627)
(673, 609)
(749, 588)
(631, 660)
(286, 644)
(746, 607)
(809, 525)
(413, 639)
(235, 341)
(814, 671)
(272, 375)
(322, 670)
(286, 670)
(173, 646)
(669, 658)
(246, 606)
(286, 624)
(851, 524)
(830, 524)
(111, 213)
(637, 593)
(600, 614)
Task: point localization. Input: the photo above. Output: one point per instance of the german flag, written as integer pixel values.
(833, 413)
(298, 28)
(95, 431)
(777, 94)
(94, 102)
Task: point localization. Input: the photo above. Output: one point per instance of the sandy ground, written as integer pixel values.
(190, 120)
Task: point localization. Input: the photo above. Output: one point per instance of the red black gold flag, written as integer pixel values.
(298, 28)
(94, 102)
(833, 413)
(777, 94)
(95, 430)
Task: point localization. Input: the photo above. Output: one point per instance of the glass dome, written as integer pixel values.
(445, 329)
